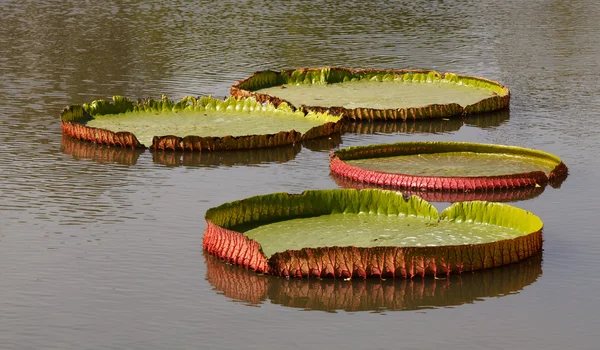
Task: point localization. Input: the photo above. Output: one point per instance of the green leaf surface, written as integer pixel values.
(204, 117)
(367, 218)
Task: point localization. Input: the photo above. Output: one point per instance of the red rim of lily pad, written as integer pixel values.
(224, 237)
(499, 94)
(340, 166)
(499, 195)
(75, 117)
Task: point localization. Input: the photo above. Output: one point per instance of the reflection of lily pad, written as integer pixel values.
(450, 166)
(425, 126)
(203, 124)
(323, 143)
(372, 94)
(349, 233)
(407, 127)
(227, 158)
(100, 153)
(371, 294)
(498, 195)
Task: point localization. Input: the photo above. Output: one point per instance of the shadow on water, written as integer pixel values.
(500, 195)
(100, 153)
(429, 126)
(127, 156)
(330, 295)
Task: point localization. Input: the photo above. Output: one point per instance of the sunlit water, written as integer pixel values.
(101, 249)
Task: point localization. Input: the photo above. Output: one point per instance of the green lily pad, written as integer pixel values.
(194, 124)
(349, 233)
(370, 230)
(448, 166)
(371, 94)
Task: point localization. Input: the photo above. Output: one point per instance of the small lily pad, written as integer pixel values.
(448, 166)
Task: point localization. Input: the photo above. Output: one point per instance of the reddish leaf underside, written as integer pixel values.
(339, 166)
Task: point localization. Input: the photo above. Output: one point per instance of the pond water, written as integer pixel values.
(102, 248)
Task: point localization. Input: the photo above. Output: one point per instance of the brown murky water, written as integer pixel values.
(102, 248)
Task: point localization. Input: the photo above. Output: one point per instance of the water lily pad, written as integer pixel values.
(349, 233)
(376, 94)
(194, 124)
(448, 166)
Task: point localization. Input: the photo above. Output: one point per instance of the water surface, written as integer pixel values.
(104, 250)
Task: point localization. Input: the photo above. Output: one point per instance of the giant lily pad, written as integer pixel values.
(370, 294)
(448, 166)
(194, 124)
(349, 233)
(375, 94)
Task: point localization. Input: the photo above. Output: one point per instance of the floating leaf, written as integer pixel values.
(304, 235)
(372, 94)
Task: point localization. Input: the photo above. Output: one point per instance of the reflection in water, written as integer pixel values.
(500, 195)
(227, 158)
(371, 294)
(488, 120)
(323, 143)
(432, 126)
(406, 127)
(100, 153)
(556, 182)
